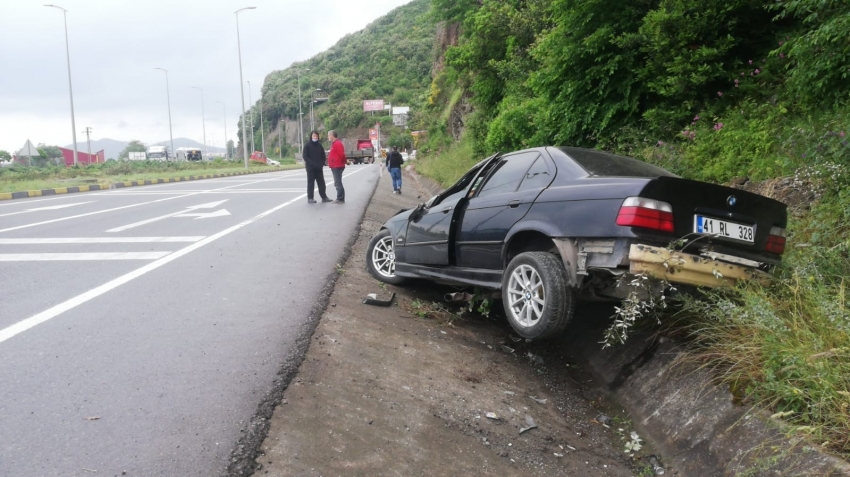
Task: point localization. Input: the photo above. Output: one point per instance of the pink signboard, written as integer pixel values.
(373, 105)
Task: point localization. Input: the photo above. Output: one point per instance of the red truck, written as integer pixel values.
(363, 152)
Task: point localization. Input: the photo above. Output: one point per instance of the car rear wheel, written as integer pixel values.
(380, 258)
(535, 295)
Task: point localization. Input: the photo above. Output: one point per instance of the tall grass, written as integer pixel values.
(448, 165)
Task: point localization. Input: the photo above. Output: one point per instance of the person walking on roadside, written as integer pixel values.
(394, 162)
(314, 163)
(336, 161)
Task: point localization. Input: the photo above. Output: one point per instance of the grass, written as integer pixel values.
(13, 179)
(447, 166)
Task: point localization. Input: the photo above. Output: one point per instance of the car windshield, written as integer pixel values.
(603, 164)
(462, 183)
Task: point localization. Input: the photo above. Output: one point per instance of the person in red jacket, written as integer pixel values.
(336, 161)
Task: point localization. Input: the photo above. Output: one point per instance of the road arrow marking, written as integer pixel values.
(208, 205)
(51, 207)
(205, 215)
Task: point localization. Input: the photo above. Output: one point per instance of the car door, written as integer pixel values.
(505, 197)
(430, 233)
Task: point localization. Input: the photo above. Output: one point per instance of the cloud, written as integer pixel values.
(115, 46)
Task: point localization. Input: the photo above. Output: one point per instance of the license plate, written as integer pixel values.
(722, 228)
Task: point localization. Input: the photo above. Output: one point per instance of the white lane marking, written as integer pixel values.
(64, 257)
(50, 207)
(42, 241)
(208, 205)
(211, 191)
(78, 300)
(206, 215)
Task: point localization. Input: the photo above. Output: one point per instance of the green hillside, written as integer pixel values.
(389, 59)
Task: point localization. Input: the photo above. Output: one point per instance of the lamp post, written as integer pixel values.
(300, 114)
(70, 88)
(312, 101)
(241, 85)
(203, 120)
(224, 112)
(251, 115)
(168, 97)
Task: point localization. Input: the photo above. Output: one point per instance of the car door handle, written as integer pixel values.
(514, 204)
(447, 210)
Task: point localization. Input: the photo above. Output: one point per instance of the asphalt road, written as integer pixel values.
(140, 327)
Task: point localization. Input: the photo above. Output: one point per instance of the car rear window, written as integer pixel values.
(603, 164)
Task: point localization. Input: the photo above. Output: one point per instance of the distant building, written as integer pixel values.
(84, 158)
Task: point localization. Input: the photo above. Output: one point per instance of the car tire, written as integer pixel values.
(535, 295)
(380, 258)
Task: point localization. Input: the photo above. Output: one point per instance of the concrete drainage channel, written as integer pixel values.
(693, 422)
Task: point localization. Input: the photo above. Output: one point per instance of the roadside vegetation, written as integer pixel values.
(711, 90)
(20, 178)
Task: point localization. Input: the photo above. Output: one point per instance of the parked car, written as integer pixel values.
(551, 225)
(259, 156)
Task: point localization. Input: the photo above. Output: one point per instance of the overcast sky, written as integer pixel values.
(115, 44)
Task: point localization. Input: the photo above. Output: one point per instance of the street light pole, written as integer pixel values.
(168, 96)
(70, 88)
(300, 114)
(312, 102)
(224, 112)
(203, 121)
(251, 115)
(241, 86)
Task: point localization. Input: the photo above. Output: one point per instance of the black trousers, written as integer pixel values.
(314, 174)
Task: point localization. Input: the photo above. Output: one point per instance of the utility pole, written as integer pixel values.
(251, 115)
(300, 114)
(88, 138)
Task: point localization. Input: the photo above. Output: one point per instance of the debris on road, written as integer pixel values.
(458, 296)
(656, 465)
(92, 418)
(531, 425)
(507, 349)
(372, 299)
(537, 360)
(538, 400)
(604, 420)
(492, 415)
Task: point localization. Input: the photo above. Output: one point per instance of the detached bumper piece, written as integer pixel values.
(685, 268)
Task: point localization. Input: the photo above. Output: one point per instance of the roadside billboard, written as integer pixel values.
(373, 105)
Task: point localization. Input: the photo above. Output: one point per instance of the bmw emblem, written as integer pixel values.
(732, 200)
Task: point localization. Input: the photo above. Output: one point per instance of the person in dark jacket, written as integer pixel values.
(314, 163)
(394, 162)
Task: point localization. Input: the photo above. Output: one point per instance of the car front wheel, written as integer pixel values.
(535, 295)
(380, 258)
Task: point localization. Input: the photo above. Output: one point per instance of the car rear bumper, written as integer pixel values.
(685, 268)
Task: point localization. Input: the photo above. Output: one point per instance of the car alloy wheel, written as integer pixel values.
(526, 295)
(535, 294)
(380, 258)
(383, 257)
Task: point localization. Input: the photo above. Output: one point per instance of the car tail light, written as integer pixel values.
(646, 213)
(776, 241)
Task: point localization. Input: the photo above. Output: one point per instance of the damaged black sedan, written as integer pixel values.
(551, 225)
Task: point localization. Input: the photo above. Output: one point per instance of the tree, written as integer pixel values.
(4, 155)
(133, 146)
(230, 149)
